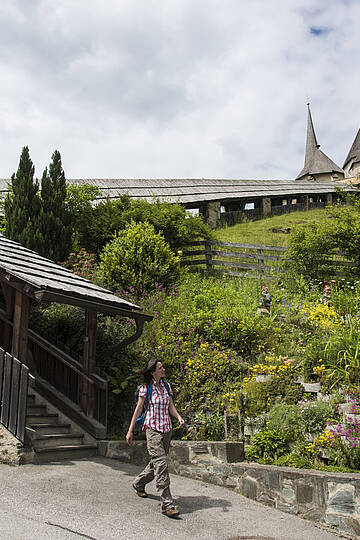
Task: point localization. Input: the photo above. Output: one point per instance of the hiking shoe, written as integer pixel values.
(140, 492)
(171, 512)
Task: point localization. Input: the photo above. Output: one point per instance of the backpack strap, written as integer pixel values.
(167, 387)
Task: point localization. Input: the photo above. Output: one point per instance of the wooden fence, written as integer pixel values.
(237, 259)
(14, 381)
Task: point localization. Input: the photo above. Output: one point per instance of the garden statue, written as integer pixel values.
(264, 302)
(326, 297)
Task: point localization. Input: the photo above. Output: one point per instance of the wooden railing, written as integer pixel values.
(62, 380)
(14, 381)
(233, 258)
(237, 259)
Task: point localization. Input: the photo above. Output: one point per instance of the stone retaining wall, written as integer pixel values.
(329, 498)
(12, 452)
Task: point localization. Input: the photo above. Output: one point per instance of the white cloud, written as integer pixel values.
(182, 88)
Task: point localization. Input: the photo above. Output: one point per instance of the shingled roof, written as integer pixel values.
(44, 280)
(316, 162)
(194, 191)
(354, 152)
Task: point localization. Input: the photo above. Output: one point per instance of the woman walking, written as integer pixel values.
(158, 430)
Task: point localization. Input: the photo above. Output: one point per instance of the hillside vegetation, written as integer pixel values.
(258, 232)
(223, 355)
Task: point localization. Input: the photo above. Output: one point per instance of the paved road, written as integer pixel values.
(94, 500)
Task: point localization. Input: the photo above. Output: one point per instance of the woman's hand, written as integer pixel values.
(181, 421)
(129, 437)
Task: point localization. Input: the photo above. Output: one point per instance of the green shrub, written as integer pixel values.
(111, 216)
(287, 419)
(140, 258)
(267, 445)
(309, 248)
(206, 426)
(315, 415)
(342, 355)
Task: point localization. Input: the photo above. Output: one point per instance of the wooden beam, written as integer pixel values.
(19, 344)
(89, 360)
(9, 295)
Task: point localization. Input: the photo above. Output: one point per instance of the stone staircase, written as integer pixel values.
(53, 437)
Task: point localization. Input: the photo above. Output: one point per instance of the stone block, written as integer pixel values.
(288, 493)
(221, 469)
(311, 387)
(285, 507)
(271, 480)
(342, 500)
(231, 481)
(234, 452)
(313, 514)
(267, 499)
(344, 523)
(249, 488)
(304, 493)
(179, 452)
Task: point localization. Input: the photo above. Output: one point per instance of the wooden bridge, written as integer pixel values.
(216, 198)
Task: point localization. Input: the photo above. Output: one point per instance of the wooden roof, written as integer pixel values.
(44, 280)
(192, 191)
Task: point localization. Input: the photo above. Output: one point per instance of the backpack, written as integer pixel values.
(140, 421)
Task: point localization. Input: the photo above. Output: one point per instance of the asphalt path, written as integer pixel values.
(93, 499)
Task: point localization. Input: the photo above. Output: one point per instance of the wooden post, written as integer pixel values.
(208, 256)
(19, 344)
(89, 360)
(261, 261)
(266, 206)
(305, 202)
(9, 295)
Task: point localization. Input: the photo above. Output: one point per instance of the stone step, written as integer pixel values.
(38, 418)
(48, 429)
(58, 439)
(60, 453)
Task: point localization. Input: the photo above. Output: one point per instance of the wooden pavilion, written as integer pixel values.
(75, 387)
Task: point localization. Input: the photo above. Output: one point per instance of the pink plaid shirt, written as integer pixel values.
(157, 416)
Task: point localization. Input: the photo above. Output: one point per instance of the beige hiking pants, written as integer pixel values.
(158, 445)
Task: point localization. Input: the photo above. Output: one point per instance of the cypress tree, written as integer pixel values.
(55, 220)
(22, 205)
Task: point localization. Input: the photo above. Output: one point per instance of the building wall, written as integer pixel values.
(352, 169)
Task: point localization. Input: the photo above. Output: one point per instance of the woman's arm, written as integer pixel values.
(135, 416)
(174, 413)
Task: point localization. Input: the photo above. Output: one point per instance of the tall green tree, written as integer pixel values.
(55, 219)
(22, 205)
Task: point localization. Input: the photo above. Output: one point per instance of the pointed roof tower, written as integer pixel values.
(354, 153)
(316, 162)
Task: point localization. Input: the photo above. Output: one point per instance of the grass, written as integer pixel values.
(257, 232)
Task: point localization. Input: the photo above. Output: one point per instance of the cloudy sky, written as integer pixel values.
(177, 88)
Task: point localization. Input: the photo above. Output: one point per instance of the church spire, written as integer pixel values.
(311, 141)
(317, 164)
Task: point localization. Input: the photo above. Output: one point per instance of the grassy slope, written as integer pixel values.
(257, 232)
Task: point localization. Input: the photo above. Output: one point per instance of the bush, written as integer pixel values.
(315, 415)
(102, 221)
(138, 257)
(309, 248)
(267, 445)
(286, 419)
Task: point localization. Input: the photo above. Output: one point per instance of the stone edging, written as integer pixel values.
(331, 499)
